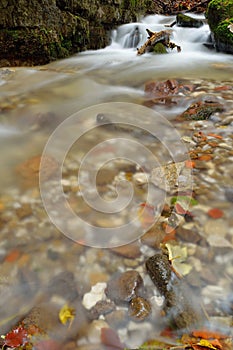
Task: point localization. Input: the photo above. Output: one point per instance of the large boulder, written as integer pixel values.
(36, 32)
(220, 17)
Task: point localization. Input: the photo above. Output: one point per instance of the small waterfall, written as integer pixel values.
(133, 38)
(133, 35)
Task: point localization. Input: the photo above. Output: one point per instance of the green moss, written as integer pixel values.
(159, 48)
(222, 33)
(218, 11)
(187, 21)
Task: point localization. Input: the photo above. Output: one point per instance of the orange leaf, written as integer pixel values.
(205, 157)
(205, 334)
(215, 213)
(190, 164)
(13, 256)
(215, 136)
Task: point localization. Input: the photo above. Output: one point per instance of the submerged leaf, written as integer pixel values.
(66, 314)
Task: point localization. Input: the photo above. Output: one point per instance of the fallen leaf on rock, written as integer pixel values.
(16, 337)
(206, 334)
(205, 343)
(66, 314)
(215, 213)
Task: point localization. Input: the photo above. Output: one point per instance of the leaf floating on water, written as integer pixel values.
(66, 314)
(177, 256)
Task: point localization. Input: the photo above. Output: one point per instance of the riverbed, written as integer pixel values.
(56, 106)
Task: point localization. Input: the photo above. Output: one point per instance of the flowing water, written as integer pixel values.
(34, 101)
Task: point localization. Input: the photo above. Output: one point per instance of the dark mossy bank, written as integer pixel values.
(37, 32)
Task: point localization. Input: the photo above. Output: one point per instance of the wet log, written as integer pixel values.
(154, 38)
(157, 37)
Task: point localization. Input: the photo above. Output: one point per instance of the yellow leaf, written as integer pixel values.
(177, 256)
(66, 314)
(207, 344)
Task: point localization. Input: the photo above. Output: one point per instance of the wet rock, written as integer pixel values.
(166, 91)
(96, 294)
(117, 319)
(187, 21)
(180, 305)
(229, 194)
(129, 251)
(23, 210)
(64, 285)
(154, 236)
(30, 169)
(124, 287)
(102, 307)
(139, 309)
(200, 111)
(188, 235)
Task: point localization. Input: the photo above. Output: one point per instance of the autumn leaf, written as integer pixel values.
(215, 213)
(184, 199)
(16, 337)
(207, 344)
(177, 256)
(66, 314)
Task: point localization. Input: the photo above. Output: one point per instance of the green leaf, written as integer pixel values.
(186, 199)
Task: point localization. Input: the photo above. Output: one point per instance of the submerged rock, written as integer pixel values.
(125, 287)
(200, 110)
(180, 304)
(139, 309)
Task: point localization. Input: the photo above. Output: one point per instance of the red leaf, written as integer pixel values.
(215, 213)
(179, 209)
(16, 337)
(110, 338)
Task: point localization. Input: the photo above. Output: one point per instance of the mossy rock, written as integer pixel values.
(220, 16)
(218, 11)
(159, 48)
(187, 21)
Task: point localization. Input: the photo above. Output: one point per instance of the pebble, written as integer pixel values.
(96, 294)
(94, 331)
(102, 307)
(23, 210)
(139, 309)
(229, 194)
(124, 287)
(216, 228)
(129, 251)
